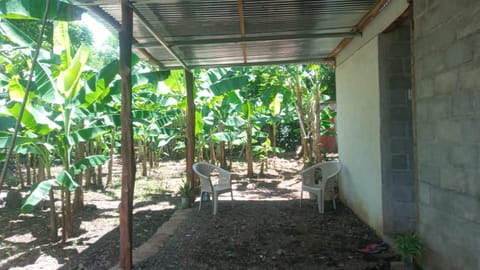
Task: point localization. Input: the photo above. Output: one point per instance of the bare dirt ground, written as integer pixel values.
(265, 229)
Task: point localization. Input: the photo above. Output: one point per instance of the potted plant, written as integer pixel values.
(409, 246)
(187, 193)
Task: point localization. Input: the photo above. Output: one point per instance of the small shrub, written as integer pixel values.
(409, 246)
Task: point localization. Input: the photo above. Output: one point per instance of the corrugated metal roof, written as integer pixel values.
(209, 33)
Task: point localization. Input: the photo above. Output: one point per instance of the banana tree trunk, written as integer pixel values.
(301, 120)
(110, 154)
(89, 171)
(150, 154)
(212, 152)
(230, 155)
(141, 155)
(34, 165)
(53, 217)
(274, 137)
(53, 212)
(41, 170)
(28, 169)
(19, 170)
(221, 152)
(248, 150)
(100, 167)
(67, 217)
(78, 200)
(316, 130)
(223, 158)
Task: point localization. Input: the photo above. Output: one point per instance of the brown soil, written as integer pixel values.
(265, 229)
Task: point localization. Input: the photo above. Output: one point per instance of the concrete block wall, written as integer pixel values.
(447, 128)
(399, 210)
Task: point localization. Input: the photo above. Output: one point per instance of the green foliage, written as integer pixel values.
(186, 189)
(37, 193)
(34, 9)
(88, 162)
(409, 246)
(64, 178)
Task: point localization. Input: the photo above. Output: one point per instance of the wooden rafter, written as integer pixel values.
(242, 29)
(360, 26)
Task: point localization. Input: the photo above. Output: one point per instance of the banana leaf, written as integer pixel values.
(34, 9)
(88, 162)
(37, 193)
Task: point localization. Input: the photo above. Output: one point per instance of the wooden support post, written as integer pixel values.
(128, 158)
(190, 124)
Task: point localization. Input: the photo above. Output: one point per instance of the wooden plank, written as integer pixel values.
(360, 26)
(242, 29)
(189, 82)
(128, 158)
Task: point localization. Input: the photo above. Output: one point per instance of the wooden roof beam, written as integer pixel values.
(242, 30)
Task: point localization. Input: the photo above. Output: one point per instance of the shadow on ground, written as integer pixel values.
(104, 253)
(269, 235)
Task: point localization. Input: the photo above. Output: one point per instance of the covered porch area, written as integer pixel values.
(401, 163)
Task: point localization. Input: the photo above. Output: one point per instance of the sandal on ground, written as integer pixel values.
(374, 248)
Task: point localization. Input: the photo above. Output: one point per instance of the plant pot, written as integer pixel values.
(186, 202)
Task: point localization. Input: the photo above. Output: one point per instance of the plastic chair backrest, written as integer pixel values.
(203, 170)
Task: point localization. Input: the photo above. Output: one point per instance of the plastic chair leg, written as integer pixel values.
(231, 195)
(320, 204)
(301, 197)
(200, 204)
(322, 201)
(215, 200)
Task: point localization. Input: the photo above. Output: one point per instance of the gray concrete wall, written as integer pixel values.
(358, 120)
(447, 115)
(396, 135)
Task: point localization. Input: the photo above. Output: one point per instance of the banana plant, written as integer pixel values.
(220, 104)
(64, 85)
(33, 10)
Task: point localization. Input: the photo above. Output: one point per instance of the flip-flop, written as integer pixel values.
(373, 248)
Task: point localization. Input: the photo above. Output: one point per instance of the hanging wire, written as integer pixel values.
(27, 90)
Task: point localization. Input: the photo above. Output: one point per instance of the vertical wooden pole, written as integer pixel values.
(190, 125)
(128, 159)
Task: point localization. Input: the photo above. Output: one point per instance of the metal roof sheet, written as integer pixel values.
(212, 33)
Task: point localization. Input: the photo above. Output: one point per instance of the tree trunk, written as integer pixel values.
(89, 171)
(41, 169)
(110, 154)
(274, 137)
(53, 212)
(316, 129)
(150, 155)
(223, 158)
(301, 120)
(53, 217)
(67, 214)
(230, 155)
(78, 200)
(221, 152)
(142, 156)
(248, 150)
(212, 152)
(28, 169)
(19, 170)
(100, 167)
(34, 166)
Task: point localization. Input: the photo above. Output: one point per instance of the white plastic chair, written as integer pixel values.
(329, 170)
(224, 185)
